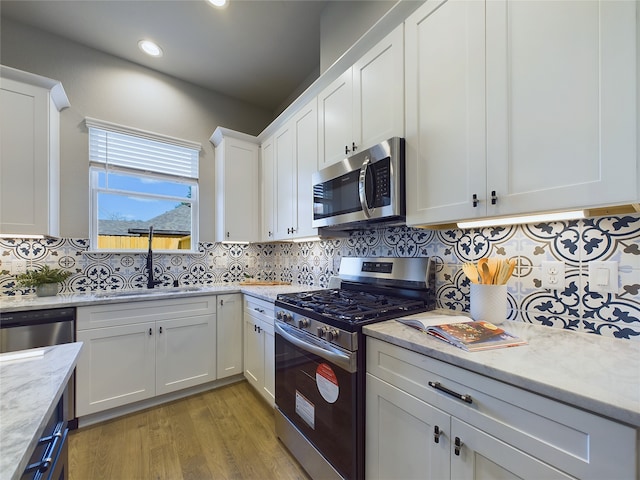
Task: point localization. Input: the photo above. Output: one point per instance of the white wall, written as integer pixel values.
(107, 88)
(344, 22)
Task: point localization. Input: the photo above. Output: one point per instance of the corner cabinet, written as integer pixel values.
(29, 153)
(539, 117)
(416, 430)
(237, 186)
(259, 347)
(229, 334)
(365, 105)
(135, 351)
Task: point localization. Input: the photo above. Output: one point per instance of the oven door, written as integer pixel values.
(316, 391)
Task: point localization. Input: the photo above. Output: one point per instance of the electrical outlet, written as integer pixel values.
(553, 275)
(18, 267)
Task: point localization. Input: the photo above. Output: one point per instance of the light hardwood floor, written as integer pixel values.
(227, 433)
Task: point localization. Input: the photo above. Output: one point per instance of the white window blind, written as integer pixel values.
(111, 146)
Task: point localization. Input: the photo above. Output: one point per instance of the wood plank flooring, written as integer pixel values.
(227, 433)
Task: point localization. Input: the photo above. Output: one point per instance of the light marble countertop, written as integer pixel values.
(32, 302)
(30, 389)
(594, 373)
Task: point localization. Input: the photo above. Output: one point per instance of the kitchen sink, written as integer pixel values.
(139, 292)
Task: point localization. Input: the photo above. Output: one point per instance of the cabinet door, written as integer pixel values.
(285, 196)
(305, 141)
(237, 191)
(269, 388)
(445, 148)
(267, 169)
(229, 335)
(483, 456)
(185, 352)
(335, 119)
(28, 160)
(406, 437)
(253, 353)
(561, 109)
(378, 92)
(116, 367)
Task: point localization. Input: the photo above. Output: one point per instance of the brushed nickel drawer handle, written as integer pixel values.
(459, 396)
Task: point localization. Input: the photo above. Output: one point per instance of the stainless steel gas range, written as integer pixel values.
(320, 370)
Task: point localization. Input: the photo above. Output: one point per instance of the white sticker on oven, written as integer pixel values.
(327, 383)
(306, 410)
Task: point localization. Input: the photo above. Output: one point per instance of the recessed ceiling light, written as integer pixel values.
(150, 48)
(218, 3)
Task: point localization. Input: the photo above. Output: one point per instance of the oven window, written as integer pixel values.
(319, 398)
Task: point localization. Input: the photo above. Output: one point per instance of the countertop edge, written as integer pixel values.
(65, 358)
(32, 302)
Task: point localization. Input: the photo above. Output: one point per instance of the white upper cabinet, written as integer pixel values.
(289, 159)
(285, 193)
(363, 106)
(267, 177)
(541, 118)
(237, 186)
(305, 149)
(29, 153)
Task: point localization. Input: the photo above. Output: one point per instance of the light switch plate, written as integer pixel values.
(603, 277)
(553, 275)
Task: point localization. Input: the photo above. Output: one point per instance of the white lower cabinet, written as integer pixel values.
(259, 347)
(229, 334)
(416, 431)
(138, 350)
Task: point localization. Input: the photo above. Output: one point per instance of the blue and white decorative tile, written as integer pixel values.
(553, 241)
(452, 289)
(613, 238)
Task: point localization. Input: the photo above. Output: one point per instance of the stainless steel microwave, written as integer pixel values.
(366, 188)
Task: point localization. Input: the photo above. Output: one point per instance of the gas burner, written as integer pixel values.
(350, 305)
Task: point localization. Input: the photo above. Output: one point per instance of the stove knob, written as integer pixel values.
(287, 317)
(279, 315)
(321, 331)
(332, 334)
(303, 323)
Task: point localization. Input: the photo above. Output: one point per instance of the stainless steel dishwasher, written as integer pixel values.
(41, 328)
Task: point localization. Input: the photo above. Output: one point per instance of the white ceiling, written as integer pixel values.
(258, 51)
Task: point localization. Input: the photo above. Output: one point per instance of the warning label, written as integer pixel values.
(327, 383)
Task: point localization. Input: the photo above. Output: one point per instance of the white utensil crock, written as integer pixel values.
(488, 303)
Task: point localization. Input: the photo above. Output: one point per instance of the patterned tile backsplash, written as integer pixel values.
(576, 243)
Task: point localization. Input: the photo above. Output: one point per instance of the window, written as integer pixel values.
(140, 180)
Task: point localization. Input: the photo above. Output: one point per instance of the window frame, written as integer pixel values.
(97, 167)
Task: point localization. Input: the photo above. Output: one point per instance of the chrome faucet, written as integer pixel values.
(151, 283)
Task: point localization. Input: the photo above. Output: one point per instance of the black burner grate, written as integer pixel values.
(352, 306)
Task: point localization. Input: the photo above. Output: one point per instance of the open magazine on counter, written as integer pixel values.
(469, 335)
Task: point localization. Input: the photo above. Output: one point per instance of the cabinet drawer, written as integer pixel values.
(116, 314)
(575, 441)
(260, 309)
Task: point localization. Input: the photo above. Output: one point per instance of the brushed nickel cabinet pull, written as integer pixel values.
(475, 200)
(494, 197)
(458, 444)
(459, 396)
(436, 434)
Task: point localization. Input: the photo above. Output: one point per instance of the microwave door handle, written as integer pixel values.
(362, 187)
(338, 358)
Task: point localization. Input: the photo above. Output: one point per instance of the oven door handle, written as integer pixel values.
(343, 360)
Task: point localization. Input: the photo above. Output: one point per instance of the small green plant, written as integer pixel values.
(42, 276)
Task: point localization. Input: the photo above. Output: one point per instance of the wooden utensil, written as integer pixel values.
(483, 270)
(470, 271)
